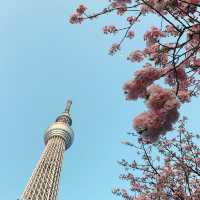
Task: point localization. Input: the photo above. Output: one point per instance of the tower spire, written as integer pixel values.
(65, 116)
(68, 106)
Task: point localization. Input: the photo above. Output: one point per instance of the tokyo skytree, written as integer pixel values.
(44, 182)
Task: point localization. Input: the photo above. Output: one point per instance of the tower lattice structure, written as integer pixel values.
(44, 182)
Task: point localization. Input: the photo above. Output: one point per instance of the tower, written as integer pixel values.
(44, 182)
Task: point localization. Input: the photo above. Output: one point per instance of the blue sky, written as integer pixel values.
(43, 62)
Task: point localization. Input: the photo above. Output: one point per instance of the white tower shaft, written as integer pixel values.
(43, 184)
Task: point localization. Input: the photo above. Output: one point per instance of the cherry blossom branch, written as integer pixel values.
(160, 14)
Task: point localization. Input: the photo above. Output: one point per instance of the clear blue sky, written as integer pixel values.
(43, 61)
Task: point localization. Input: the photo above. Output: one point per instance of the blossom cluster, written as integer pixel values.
(162, 103)
(166, 170)
(163, 112)
(77, 18)
(136, 88)
(170, 167)
(171, 52)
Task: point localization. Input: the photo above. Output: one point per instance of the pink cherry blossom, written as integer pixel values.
(114, 48)
(142, 78)
(197, 161)
(81, 9)
(136, 56)
(171, 51)
(153, 178)
(160, 98)
(76, 19)
(184, 96)
(130, 34)
(132, 20)
(109, 29)
(135, 186)
(171, 54)
(171, 30)
(153, 35)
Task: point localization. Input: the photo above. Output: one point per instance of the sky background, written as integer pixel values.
(44, 60)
